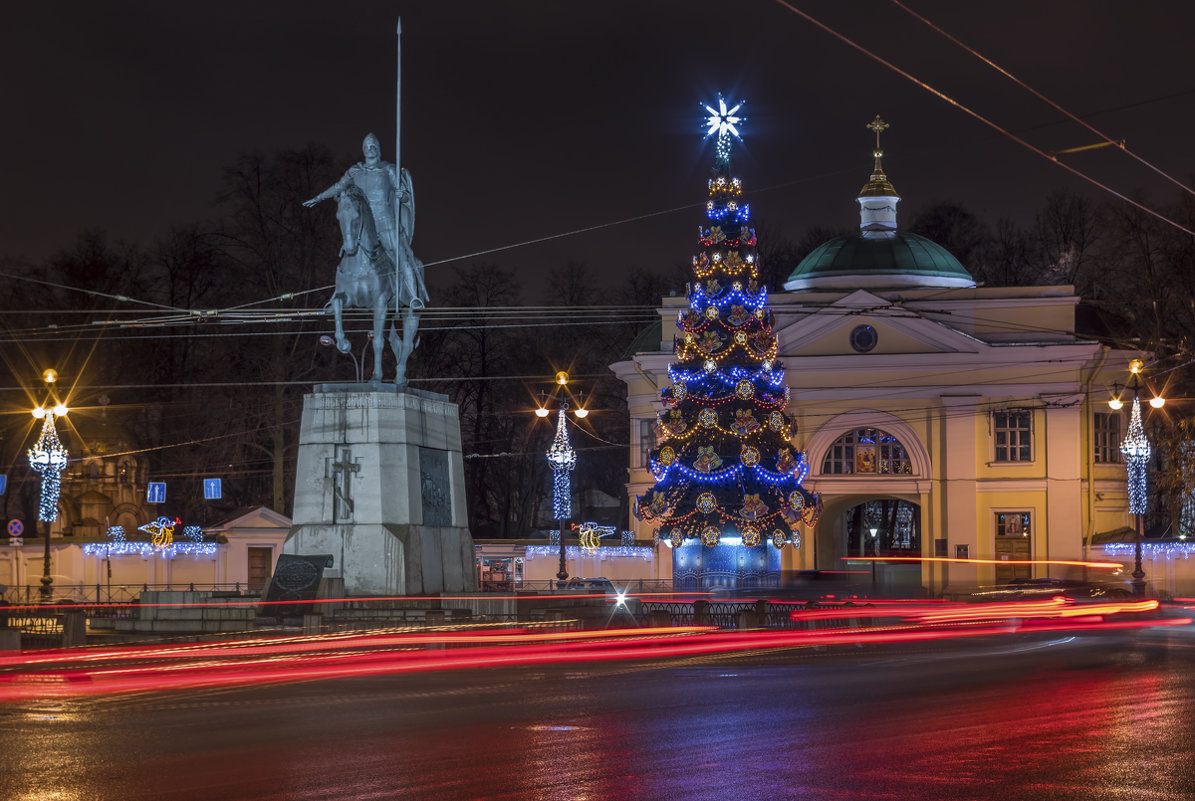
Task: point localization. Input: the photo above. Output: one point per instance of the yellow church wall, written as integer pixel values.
(1024, 320)
(890, 341)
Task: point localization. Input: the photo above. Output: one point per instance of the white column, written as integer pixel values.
(959, 455)
(1063, 454)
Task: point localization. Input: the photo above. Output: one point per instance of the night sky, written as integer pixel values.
(525, 120)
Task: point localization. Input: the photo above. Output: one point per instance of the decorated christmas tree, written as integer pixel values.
(725, 465)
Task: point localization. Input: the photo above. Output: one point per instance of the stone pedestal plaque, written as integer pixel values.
(380, 485)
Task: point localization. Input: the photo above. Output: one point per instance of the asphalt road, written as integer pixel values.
(1095, 717)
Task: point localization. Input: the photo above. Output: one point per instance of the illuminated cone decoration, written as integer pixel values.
(562, 459)
(48, 458)
(1135, 450)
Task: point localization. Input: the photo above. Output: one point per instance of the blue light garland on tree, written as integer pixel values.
(724, 464)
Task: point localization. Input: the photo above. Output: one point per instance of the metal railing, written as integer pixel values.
(38, 630)
(632, 586)
(91, 594)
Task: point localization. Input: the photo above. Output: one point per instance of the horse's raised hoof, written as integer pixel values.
(343, 345)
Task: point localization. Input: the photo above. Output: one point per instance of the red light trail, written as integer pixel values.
(109, 671)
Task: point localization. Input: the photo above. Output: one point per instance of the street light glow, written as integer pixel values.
(39, 412)
(60, 410)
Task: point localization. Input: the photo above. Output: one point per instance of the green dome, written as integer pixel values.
(896, 259)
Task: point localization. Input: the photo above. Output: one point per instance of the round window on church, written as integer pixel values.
(864, 338)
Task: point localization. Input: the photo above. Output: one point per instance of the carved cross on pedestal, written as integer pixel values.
(342, 486)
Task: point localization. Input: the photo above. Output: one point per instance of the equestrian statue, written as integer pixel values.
(377, 265)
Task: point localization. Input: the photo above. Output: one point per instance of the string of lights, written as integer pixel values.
(467, 318)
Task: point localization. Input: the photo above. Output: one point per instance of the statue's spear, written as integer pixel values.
(398, 161)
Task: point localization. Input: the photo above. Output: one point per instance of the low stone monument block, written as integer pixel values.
(380, 486)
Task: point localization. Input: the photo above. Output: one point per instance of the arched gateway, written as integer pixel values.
(870, 468)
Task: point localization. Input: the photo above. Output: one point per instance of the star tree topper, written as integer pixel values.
(723, 122)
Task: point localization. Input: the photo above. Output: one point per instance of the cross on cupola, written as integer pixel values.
(878, 198)
(878, 125)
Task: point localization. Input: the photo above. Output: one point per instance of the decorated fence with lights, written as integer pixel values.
(724, 465)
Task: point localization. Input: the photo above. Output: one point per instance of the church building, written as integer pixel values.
(940, 420)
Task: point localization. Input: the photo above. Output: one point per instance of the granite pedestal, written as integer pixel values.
(380, 485)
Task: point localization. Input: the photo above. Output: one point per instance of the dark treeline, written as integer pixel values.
(198, 394)
(220, 395)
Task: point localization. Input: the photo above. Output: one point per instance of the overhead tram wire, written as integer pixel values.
(947, 98)
(581, 316)
(207, 315)
(487, 252)
(93, 292)
(1106, 139)
(213, 314)
(512, 317)
(566, 315)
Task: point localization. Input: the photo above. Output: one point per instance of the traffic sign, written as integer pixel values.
(211, 489)
(15, 528)
(156, 492)
(3, 483)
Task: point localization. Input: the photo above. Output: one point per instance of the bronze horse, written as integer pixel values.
(366, 279)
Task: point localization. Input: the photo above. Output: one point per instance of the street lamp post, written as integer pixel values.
(562, 459)
(48, 458)
(1136, 452)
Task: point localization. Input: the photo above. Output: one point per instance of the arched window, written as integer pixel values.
(866, 451)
